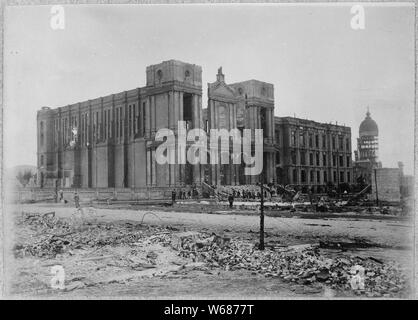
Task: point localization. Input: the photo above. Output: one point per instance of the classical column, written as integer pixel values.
(171, 110)
(195, 108)
(149, 116)
(181, 106)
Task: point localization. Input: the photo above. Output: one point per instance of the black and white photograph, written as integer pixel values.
(213, 150)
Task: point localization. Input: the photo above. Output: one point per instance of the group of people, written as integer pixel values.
(182, 194)
(249, 193)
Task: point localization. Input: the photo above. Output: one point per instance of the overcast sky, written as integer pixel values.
(321, 68)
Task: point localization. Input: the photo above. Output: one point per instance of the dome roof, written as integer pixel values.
(368, 127)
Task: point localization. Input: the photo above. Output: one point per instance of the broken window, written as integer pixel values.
(302, 176)
(302, 158)
(263, 121)
(187, 110)
(41, 133)
(293, 155)
(277, 132)
(340, 142)
(302, 139)
(277, 157)
(144, 117)
(293, 138)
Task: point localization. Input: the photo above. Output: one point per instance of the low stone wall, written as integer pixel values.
(88, 195)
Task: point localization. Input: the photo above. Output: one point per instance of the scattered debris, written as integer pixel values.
(158, 250)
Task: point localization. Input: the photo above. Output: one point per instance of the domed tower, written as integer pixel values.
(367, 143)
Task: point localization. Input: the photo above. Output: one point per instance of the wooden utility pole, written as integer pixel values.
(261, 246)
(375, 184)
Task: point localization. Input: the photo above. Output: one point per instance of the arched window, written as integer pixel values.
(159, 76)
(41, 133)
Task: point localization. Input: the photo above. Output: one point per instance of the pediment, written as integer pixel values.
(222, 89)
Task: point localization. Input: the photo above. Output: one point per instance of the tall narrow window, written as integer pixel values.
(301, 139)
(121, 122)
(130, 121)
(105, 125)
(293, 138)
(117, 122)
(293, 155)
(302, 158)
(302, 176)
(41, 133)
(144, 117)
(109, 127)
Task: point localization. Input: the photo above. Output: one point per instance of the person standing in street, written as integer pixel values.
(77, 200)
(173, 197)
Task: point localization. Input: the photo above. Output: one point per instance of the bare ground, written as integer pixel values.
(104, 272)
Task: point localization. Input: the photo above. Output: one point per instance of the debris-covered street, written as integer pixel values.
(168, 252)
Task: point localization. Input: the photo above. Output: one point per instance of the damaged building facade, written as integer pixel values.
(109, 142)
(313, 155)
(367, 154)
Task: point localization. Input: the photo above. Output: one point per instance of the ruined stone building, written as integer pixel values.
(312, 154)
(109, 142)
(367, 153)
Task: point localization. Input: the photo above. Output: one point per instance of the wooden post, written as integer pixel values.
(375, 183)
(261, 247)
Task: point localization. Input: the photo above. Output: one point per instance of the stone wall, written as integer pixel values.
(388, 183)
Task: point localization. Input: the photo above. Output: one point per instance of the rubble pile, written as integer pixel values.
(302, 266)
(57, 236)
